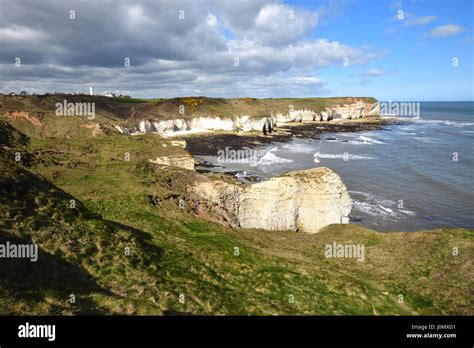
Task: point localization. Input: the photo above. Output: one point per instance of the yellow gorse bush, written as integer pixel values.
(189, 101)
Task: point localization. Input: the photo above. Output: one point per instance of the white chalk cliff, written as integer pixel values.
(246, 123)
(305, 201)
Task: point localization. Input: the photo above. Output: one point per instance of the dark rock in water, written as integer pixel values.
(330, 138)
(207, 164)
(235, 173)
(355, 219)
(243, 177)
(203, 171)
(426, 217)
(344, 141)
(254, 178)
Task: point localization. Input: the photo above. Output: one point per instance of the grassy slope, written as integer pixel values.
(132, 204)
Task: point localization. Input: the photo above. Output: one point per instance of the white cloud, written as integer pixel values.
(412, 19)
(445, 31)
(20, 33)
(373, 73)
(308, 80)
(211, 20)
(408, 19)
(277, 54)
(277, 24)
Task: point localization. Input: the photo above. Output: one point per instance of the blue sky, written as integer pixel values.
(416, 65)
(240, 48)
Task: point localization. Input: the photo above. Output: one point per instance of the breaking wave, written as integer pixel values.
(377, 206)
(436, 122)
(345, 156)
(270, 158)
(368, 140)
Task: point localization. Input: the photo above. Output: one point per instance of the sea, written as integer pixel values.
(415, 175)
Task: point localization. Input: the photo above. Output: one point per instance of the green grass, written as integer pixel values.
(134, 204)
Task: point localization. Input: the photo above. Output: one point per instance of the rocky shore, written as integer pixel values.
(208, 144)
(303, 201)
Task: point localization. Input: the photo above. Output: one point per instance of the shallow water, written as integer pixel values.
(400, 178)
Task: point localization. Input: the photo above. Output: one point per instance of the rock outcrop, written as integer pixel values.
(181, 161)
(353, 111)
(23, 115)
(96, 128)
(306, 201)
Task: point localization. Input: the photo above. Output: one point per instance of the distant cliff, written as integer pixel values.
(265, 121)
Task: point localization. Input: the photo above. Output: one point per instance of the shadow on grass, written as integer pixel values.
(47, 278)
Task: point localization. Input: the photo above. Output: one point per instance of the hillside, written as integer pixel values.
(129, 111)
(180, 260)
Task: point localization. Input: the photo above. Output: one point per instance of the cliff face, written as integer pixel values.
(180, 159)
(168, 127)
(246, 123)
(304, 201)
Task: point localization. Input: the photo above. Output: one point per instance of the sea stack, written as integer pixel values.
(304, 201)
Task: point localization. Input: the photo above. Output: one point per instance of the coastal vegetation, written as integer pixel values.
(124, 236)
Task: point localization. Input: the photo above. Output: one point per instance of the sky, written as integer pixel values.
(390, 50)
